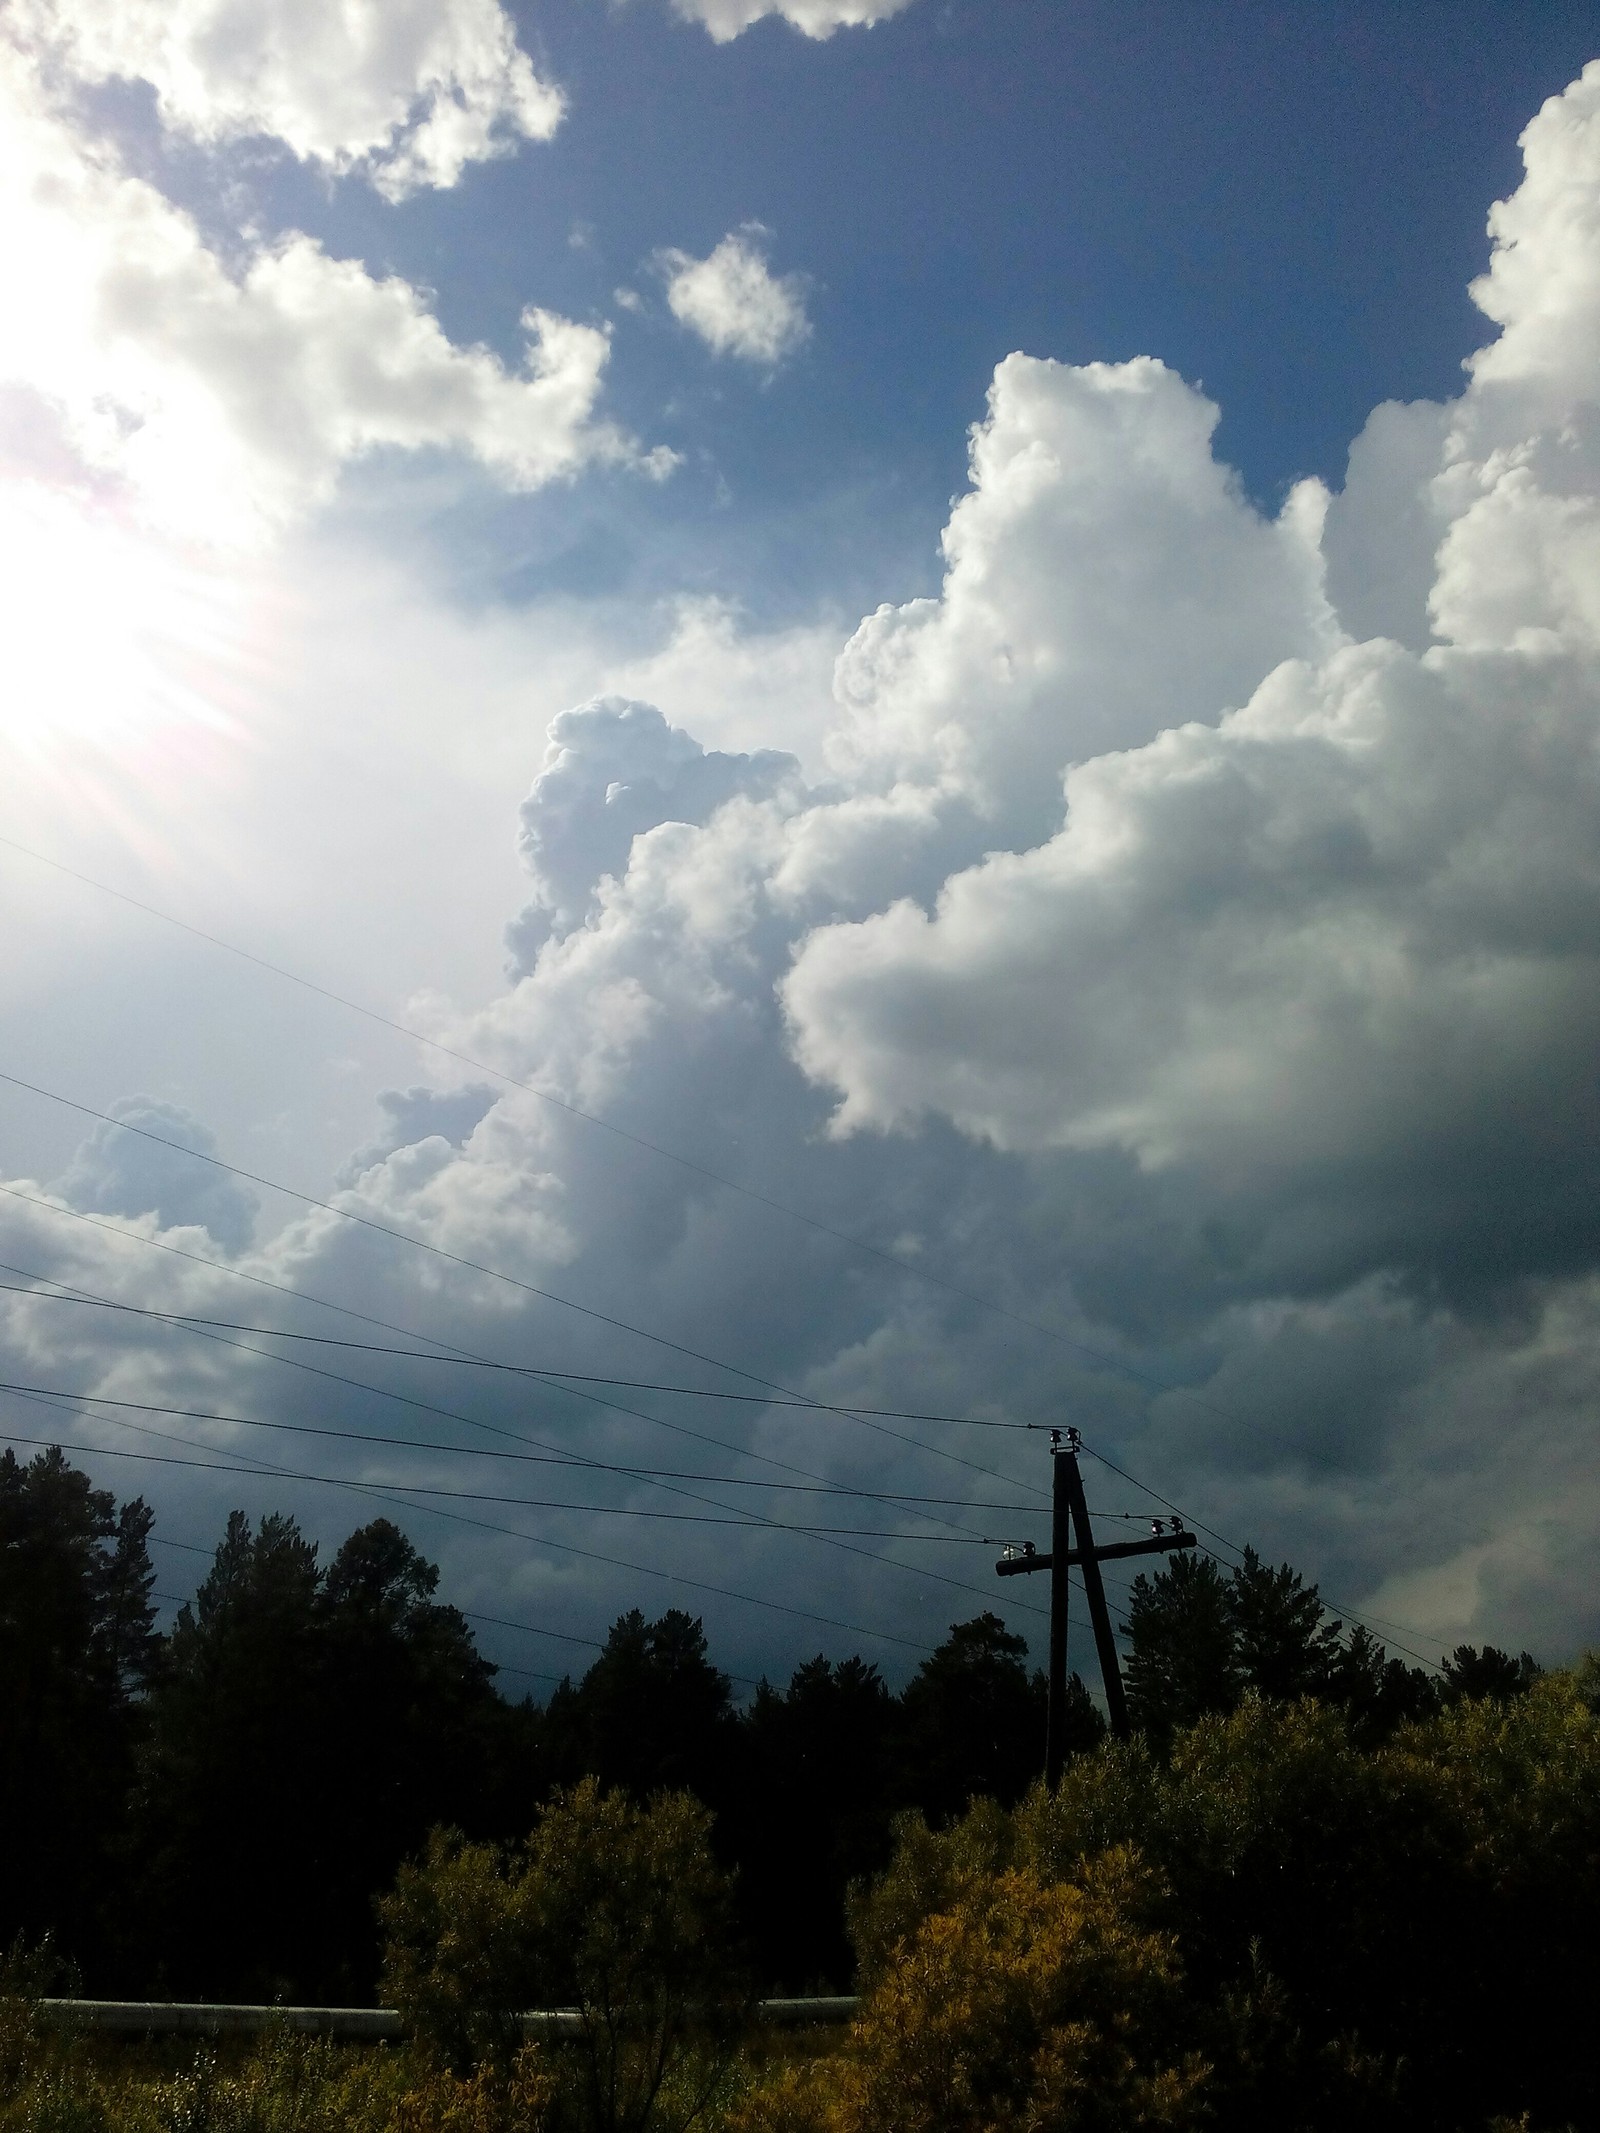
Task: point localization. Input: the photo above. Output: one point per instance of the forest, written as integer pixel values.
(1317, 1887)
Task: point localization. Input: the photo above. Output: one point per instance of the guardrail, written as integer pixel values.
(351, 2025)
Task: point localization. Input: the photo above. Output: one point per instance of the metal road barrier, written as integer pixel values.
(350, 2025)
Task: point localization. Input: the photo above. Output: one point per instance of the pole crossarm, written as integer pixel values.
(1030, 1558)
(1069, 1517)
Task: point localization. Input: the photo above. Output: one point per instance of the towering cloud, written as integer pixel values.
(1348, 925)
(117, 1171)
(613, 771)
(1186, 960)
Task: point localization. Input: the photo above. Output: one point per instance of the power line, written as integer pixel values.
(605, 1125)
(438, 1251)
(262, 1469)
(191, 1323)
(1348, 1612)
(436, 1510)
(533, 1289)
(527, 1673)
(657, 1421)
(478, 1451)
(1162, 1500)
(470, 1614)
(302, 1296)
(826, 1540)
(917, 1273)
(540, 1371)
(421, 1488)
(392, 1492)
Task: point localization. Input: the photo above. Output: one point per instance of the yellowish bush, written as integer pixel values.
(1020, 2005)
(931, 1869)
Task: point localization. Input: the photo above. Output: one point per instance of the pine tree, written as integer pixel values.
(1285, 1645)
(77, 1651)
(1185, 1659)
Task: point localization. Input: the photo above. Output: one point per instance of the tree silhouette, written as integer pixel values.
(1185, 1659)
(1202, 1638)
(77, 1647)
(306, 1731)
(972, 1720)
(1472, 1674)
(812, 1813)
(1284, 1643)
(652, 1714)
(215, 1812)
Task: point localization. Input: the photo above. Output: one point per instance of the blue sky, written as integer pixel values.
(696, 572)
(1284, 204)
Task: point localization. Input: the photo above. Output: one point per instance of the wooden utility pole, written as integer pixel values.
(1055, 1721)
(1069, 1512)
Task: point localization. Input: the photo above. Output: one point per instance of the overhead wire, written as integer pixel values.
(624, 1470)
(502, 1622)
(593, 1118)
(191, 1323)
(865, 1418)
(422, 1488)
(421, 1244)
(1238, 1549)
(470, 1614)
(303, 1297)
(1371, 1622)
(540, 1371)
(891, 1259)
(918, 1570)
(913, 1569)
(397, 1494)
(500, 1666)
(439, 1251)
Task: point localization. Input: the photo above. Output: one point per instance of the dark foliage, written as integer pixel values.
(651, 1715)
(972, 1719)
(1399, 1936)
(1472, 1675)
(215, 1812)
(305, 1732)
(817, 1769)
(1204, 1637)
(77, 1649)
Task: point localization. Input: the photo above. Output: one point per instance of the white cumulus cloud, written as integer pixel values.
(1194, 911)
(406, 92)
(119, 1172)
(1356, 918)
(613, 771)
(1105, 578)
(725, 19)
(229, 394)
(734, 302)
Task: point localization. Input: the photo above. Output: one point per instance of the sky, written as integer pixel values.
(882, 703)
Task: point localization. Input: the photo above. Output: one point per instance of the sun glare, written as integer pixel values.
(108, 634)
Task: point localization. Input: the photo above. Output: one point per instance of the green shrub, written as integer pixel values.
(615, 1910)
(1400, 1935)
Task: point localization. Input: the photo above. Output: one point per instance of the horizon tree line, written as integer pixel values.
(213, 1811)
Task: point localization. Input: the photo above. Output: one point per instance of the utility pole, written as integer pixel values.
(1069, 1511)
(1061, 1507)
